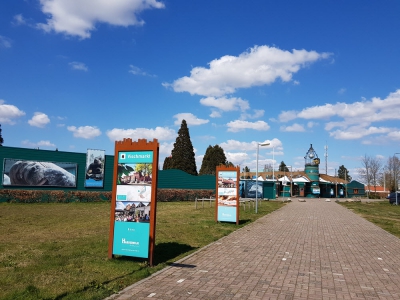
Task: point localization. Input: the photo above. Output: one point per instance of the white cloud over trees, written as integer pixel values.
(352, 120)
(190, 119)
(8, 113)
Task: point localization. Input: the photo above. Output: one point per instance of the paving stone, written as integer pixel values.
(305, 250)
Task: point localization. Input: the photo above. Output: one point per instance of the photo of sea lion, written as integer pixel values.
(35, 173)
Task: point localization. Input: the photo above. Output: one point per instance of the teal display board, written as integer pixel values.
(131, 239)
(132, 224)
(132, 205)
(227, 206)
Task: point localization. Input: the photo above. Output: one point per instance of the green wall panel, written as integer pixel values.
(177, 179)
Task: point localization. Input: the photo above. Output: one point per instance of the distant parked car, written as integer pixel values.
(392, 198)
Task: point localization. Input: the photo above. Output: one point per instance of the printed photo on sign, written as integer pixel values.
(137, 192)
(38, 173)
(127, 211)
(95, 160)
(227, 200)
(131, 173)
(227, 179)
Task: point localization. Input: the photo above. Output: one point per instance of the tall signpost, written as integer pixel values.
(134, 194)
(227, 204)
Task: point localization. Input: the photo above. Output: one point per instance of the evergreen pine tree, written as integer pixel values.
(343, 173)
(282, 167)
(214, 157)
(183, 154)
(167, 163)
(1, 138)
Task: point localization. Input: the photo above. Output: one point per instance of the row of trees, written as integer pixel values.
(375, 173)
(183, 158)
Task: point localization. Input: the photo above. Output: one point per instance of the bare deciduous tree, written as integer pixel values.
(392, 172)
(364, 173)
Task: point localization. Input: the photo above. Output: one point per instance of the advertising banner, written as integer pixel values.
(95, 160)
(227, 195)
(132, 227)
(38, 173)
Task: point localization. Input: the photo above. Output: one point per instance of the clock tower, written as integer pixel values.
(311, 169)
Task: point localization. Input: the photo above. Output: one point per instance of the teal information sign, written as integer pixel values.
(227, 196)
(135, 157)
(132, 205)
(227, 214)
(131, 239)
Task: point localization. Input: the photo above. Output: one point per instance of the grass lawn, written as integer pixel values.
(59, 251)
(381, 213)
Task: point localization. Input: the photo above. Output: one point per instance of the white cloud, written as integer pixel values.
(78, 66)
(357, 132)
(79, 17)
(5, 42)
(237, 151)
(286, 116)
(341, 91)
(9, 112)
(189, 118)
(226, 104)
(166, 148)
(394, 135)
(45, 144)
(238, 145)
(237, 158)
(39, 120)
(352, 120)
(361, 111)
(317, 112)
(160, 133)
(215, 114)
(19, 20)
(239, 125)
(293, 128)
(137, 71)
(258, 66)
(311, 124)
(257, 113)
(85, 132)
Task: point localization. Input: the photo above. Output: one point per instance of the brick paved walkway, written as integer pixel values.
(305, 250)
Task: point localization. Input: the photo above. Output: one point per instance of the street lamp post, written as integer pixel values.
(291, 181)
(258, 144)
(395, 179)
(273, 167)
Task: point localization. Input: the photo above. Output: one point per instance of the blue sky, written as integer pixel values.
(79, 74)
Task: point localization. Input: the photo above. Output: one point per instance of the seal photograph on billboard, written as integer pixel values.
(38, 173)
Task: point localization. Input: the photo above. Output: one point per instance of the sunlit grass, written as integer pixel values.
(59, 251)
(381, 213)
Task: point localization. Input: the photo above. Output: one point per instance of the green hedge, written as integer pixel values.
(58, 196)
(41, 196)
(182, 195)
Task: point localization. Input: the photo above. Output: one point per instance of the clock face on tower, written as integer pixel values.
(316, 161)
(311, 155)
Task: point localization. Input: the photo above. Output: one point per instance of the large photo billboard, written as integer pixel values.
(38, 173)
(95, 160)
